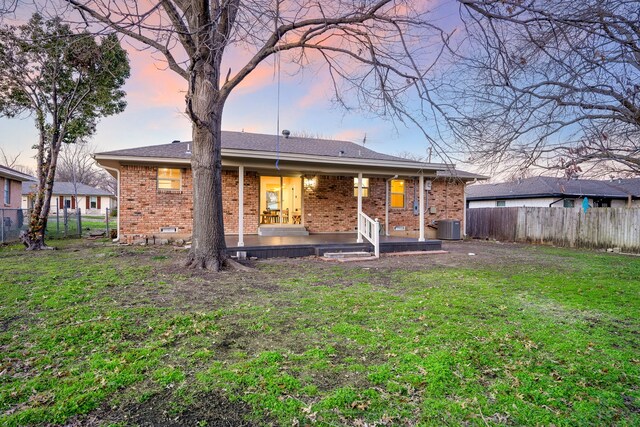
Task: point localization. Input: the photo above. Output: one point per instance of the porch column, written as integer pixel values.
(240, 205)
(359, 239)
(386, 207)
(421, 238)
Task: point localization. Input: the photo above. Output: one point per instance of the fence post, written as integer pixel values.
(2, 226)
(65, 216)
(57, 221)
(107, 221)
(79, 219)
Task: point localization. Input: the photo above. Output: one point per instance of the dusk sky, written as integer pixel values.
(154, 114)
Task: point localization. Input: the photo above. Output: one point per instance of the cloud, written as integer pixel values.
(319, 92)
(350, 135)
(152, 84)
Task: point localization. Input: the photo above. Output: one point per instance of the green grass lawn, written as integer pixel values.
(55, 225)
(550, 337)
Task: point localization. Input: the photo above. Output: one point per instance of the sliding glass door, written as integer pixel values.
(280, 200)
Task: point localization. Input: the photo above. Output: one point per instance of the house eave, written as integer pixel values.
(15, 176)
(232, 157)
(541, 196)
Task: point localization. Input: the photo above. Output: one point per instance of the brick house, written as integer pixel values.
(284, 186)
(11, 186)
(11, 217)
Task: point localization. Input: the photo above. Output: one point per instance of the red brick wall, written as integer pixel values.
(329, 207)
(230, 201)
(15, 194)
(144, 209)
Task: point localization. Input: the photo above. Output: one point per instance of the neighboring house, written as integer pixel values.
(11, 186)
(297, 186)
(12, 218)
(544, 191)
(90, 200)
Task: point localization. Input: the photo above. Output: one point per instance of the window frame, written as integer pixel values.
(365, 187)
(392, 193)
(569, 203)
(65, 200)
(170, 180)
(6, 192)
(501, 203)
(93, 202)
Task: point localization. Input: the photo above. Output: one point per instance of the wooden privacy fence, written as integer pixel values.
(598, 228)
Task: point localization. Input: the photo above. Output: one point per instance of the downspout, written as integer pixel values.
(559, 200)
(464, 210)
(117, 171)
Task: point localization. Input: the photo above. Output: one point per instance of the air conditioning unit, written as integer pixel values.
(448, 229)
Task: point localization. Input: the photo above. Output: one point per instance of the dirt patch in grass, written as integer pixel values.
(210, 409)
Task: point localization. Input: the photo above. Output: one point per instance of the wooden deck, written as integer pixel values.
(317, 244)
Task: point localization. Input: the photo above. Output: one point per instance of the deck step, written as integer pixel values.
(359, 254)
(289, 230)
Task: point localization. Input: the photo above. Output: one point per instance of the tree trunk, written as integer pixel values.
(33, 239)
(208, 248)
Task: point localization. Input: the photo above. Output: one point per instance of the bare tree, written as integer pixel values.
(556, 84)
(12, 162)
(76, 165)
(7, 159)
(378, 50)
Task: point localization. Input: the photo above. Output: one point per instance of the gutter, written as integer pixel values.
(117, 171)
(559, 200)
(347, 161)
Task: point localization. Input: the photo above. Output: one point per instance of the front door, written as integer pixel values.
(280, 200)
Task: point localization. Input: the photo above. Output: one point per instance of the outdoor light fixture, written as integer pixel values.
(310, 182)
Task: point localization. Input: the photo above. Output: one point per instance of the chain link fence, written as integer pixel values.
(13, 221)
(62, 223)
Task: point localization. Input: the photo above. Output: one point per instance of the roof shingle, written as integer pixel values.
(261, 142)
(545, 186)
(66, 189)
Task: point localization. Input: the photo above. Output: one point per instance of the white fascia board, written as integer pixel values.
(350, 161)
(139, 159)
(16, 176)
(242, 158)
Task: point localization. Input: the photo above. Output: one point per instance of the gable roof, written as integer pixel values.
(7, 172)
(545, 186)
(66, 189)
(243, 146)
(262, 143)
(628, 185)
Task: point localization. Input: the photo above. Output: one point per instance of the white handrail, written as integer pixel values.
(370, 229)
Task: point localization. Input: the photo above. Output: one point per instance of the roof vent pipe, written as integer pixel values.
(286, 133)
(340, 153)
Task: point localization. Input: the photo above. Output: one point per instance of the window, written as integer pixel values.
(93, 203)
(169, 179)
(365, 187)
(569, 203)
(7, 191)
(397, 193)
(501, 203)
(67, 202)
